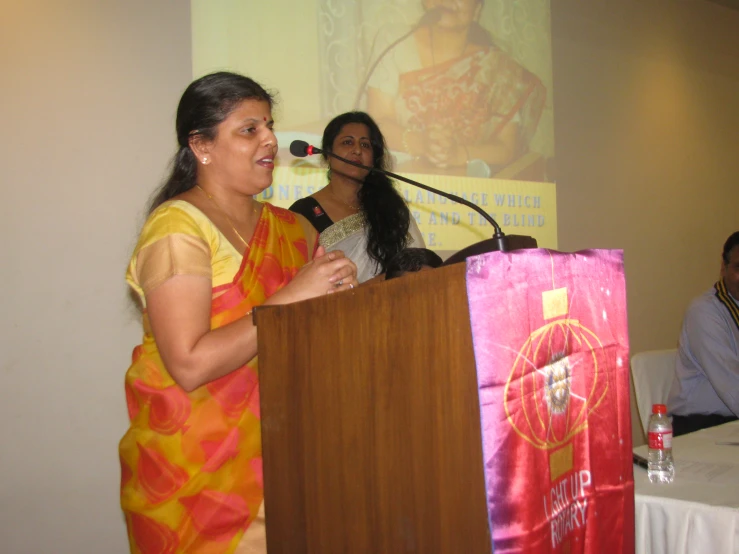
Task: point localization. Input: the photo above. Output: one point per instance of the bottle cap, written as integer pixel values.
(659, 409)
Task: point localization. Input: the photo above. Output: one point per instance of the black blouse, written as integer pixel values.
(309, 208)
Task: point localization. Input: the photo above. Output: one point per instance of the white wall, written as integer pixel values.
(647, 120)
(87, 102)
(647, 130)
(647, 124)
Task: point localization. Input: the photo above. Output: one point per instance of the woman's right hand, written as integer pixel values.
(325, 274)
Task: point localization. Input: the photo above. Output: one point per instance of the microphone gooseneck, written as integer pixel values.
(428, 18)
(301, 149)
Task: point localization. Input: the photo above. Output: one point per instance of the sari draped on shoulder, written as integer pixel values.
(473, 96)
(350, 236)
(191, 463)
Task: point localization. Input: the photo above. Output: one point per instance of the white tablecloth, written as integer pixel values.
(699, 512)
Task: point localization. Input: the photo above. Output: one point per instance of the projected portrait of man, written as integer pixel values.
(447, 94)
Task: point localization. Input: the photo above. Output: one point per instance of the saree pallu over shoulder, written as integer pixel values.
(350, 236)
(473, 96)
(341, 230)
(191, 463)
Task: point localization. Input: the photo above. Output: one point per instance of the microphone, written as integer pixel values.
(301, 149)
(427, 19)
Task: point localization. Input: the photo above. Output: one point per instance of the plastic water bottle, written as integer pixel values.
(661, 468)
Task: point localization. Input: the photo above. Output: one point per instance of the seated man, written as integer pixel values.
(705, 391)
(411, 260)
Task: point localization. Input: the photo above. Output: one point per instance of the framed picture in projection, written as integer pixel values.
(461, 89)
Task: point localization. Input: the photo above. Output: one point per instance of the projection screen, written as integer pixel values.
(325, 57)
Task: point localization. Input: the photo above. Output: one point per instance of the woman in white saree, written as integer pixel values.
(359, 212)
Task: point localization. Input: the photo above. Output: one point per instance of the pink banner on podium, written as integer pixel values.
(552, 353)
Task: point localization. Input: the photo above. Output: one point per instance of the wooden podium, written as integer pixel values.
(371, 421)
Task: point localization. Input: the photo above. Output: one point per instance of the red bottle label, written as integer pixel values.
(660, 440)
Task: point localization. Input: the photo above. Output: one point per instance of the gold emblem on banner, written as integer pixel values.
(539, 386)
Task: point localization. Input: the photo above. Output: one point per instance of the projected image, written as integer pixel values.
(461, 89)
(447, 96)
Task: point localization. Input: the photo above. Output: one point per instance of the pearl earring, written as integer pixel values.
(205, 160)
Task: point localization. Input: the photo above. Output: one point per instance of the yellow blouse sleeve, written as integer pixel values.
(311, 235)
(172, 242)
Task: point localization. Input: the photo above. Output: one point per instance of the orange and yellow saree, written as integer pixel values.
(191, 463)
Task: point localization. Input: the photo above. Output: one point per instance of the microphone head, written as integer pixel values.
(299, 148)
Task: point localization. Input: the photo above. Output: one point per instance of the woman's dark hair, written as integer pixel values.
(385, 212)
(479, 35)
(731, 243)
(411, 260)
(206, 102)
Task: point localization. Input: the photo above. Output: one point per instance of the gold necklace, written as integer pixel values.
(226, 215)
(331, 192)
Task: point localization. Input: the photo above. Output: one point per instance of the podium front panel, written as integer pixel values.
(371, 421)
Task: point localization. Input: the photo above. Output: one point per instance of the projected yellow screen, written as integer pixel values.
(486, 90)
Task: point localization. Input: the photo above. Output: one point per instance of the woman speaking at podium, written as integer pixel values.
(358, 212)
(191, 461)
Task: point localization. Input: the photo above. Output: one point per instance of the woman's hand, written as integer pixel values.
(443, 150)
(325, 274)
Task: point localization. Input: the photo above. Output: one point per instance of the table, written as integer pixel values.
(699, 512)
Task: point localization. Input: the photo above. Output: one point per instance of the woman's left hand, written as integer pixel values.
(345, 277)
(324, 274)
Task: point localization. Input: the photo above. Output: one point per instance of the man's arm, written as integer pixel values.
(711, 342)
